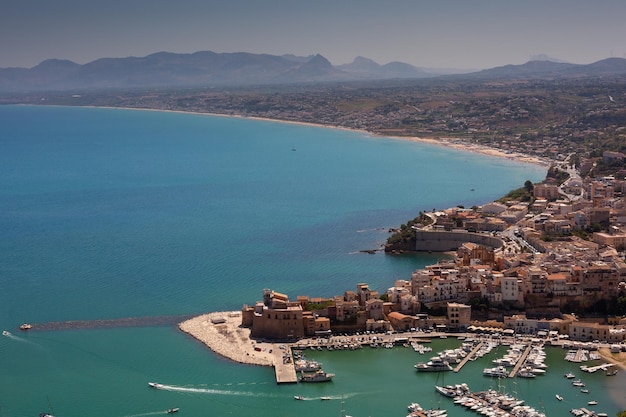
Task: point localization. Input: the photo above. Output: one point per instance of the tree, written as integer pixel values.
(529, 186)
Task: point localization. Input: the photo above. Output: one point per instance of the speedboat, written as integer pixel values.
(324, 398)
(5, 333)
(155, 385)
(558, 397)
(298, 397)
(173, 410)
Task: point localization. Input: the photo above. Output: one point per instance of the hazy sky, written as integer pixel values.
(429, 33)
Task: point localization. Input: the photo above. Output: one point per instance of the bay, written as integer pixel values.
(110, 213)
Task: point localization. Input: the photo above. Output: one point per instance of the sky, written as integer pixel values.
(461, 34)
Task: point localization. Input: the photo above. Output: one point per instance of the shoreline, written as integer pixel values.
(222, 333)
(448, 142)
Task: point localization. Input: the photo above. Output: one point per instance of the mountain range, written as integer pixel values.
(211, 69)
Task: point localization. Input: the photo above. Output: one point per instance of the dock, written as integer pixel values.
(592, 369)
(521, 361)
(468, 356)
(284, 368)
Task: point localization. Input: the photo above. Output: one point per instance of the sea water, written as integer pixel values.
(109, 213)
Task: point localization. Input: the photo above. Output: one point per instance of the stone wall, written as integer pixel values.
(444, 241)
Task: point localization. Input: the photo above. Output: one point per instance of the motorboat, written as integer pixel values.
(435, 364)
(558, 397)
(155, 385)
(324, 398)
(298, 397)
(570, 375)
(5, 333)
(172, 410)
(26, 326)
(592, 403)
(497, 372)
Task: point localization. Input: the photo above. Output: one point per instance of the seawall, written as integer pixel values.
(444, 241)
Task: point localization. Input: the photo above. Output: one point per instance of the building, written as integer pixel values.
(459, 316)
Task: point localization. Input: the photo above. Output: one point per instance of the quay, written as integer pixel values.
(521, 361)
(284, 367)
(468, 356)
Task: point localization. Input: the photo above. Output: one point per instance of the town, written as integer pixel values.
(551, 265)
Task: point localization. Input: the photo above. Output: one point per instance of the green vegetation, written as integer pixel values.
(403, 239)
(319, 306)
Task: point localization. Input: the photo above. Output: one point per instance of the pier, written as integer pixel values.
(592, 369)
(521, 361)
(468, 356)
(284, 367)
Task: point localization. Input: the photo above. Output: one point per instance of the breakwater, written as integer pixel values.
(443, 241)
(111, 323)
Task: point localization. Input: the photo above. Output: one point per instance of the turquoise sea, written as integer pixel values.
(108, 213)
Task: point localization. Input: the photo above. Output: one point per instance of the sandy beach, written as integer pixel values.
(618, 359)
(222, 333)
(454, 143)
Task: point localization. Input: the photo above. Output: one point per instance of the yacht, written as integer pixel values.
(435, 364)
(498, 372)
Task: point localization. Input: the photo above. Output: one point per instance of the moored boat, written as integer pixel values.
(319, 376)
(435, 364)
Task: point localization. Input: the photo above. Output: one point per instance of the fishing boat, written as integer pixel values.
(319, 376)
(304, 365)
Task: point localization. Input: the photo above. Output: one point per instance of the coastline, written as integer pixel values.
(617, 359)
(454, 143)
(222, 333)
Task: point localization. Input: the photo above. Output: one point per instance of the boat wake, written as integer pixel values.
(214, 391)
(153, 413)
(14, 337)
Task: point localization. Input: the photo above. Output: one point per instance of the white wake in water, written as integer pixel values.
(214, 391)
(14, 337)
(153, 413)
